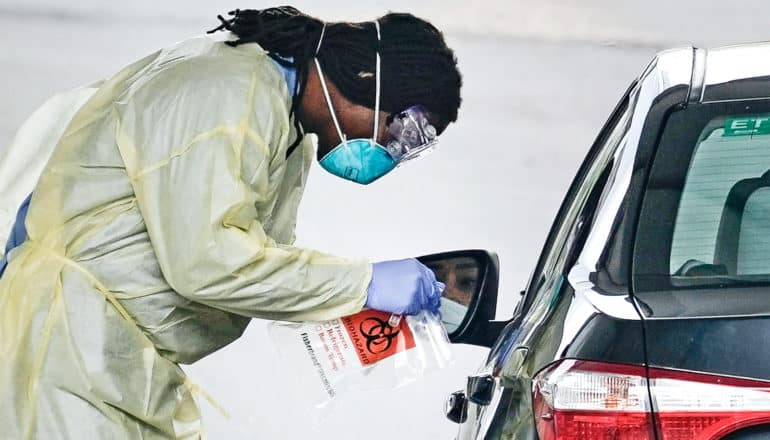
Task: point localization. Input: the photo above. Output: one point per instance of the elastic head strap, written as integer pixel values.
(327, 97)
(377, 85)
(320, 39)
(329, 102)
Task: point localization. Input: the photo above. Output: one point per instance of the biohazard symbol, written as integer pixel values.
(379, 334)
(374, 339)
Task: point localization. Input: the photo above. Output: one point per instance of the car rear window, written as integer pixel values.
(702, 241)
(722, 224)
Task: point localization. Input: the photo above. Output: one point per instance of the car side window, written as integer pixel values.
(577, 210)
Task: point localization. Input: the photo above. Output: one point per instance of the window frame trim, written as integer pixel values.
(538, 278)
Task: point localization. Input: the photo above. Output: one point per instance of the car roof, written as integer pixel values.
(728, 73)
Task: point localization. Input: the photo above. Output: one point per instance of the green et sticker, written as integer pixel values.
(747, 126)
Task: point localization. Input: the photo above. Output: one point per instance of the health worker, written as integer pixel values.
(163, 220)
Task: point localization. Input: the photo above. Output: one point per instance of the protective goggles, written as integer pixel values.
(409, 134)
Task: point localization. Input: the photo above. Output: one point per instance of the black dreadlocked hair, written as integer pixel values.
(416, 66)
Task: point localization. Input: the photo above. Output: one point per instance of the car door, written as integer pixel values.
(578, 303)
(504, 410)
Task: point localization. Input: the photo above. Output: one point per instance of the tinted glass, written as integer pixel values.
(702, 243)
(722, 225)
(575, 216)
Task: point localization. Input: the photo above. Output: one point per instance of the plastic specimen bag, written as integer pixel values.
(360, 352)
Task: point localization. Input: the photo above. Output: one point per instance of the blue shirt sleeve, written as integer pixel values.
(289, 73)
(18, 233)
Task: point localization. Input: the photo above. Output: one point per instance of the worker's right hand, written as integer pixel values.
(403, 287)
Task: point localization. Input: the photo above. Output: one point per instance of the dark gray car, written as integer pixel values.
(648, 313)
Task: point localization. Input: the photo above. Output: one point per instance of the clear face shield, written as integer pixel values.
(410, 135)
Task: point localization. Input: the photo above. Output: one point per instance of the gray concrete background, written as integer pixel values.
(540, 78)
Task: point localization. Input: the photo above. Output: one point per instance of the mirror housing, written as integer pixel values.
(478, 327)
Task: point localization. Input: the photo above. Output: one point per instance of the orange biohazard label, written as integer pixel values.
(374, 339)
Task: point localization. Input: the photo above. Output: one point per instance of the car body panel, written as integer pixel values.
(568, 302)
(580, 301)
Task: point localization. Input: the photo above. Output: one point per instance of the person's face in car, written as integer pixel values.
(460, 276)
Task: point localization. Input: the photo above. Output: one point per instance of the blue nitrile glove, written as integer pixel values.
(403, 287)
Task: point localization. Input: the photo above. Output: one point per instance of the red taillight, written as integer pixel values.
(691, 406)
(577, 400)
(592, 400)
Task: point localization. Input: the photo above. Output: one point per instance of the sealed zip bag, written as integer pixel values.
(360, 352)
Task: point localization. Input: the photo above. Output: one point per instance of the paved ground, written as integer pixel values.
(539, 80)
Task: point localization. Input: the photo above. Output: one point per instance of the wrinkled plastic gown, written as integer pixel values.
(162, 222)
(21, 165)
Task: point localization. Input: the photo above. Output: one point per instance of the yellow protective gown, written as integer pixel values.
(162, 222)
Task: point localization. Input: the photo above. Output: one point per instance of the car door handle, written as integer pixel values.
(481, 388)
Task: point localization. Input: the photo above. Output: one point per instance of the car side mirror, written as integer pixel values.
(469, 302)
